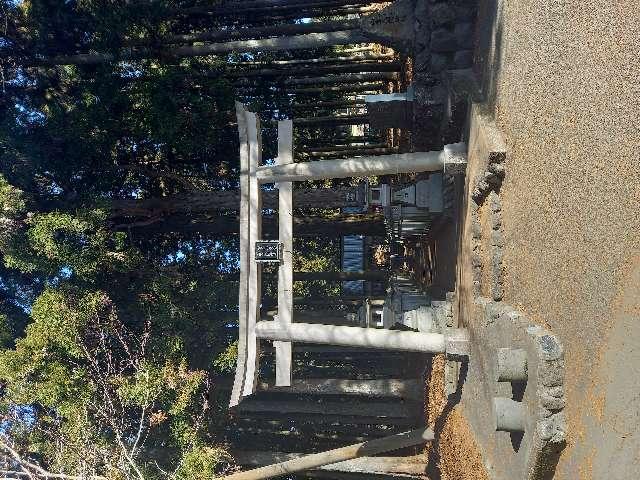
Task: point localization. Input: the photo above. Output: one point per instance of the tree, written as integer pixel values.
(276, 44)
(118, 182)
(118, 398)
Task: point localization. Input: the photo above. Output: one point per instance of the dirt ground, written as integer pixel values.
(562, 78)
(562, 81)
(454, 455)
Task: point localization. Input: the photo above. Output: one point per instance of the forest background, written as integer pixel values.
(118, 194)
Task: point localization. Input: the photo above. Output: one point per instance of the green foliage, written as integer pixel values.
(78, 242)
(103, 379)
(6, 332)
(109, 328)
(201, 462)
(226, 361)
(12, 202)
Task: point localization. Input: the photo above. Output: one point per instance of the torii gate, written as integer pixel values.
(283, 330)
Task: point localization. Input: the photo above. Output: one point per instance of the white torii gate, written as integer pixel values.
(283, 330)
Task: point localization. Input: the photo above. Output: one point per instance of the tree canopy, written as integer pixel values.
(117, 316)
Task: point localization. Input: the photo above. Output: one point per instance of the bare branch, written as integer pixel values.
(34, 471)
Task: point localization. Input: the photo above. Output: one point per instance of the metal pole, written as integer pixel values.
(364, 449)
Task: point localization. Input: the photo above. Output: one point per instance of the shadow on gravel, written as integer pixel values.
(433, 470)
(488, 48)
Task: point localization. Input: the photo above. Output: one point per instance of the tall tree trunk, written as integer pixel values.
(365, 87)
(330, 80)
(348, 60)
(340, 148)
(351, 153)
(296, 42)
(313, 70)
(306, 13)
(341, 140)
(356, 103)
(369, 275)
(205, 202)
(353, 50)
(270, 8)
(367, 224)
(331, 121)
(255, 32)
(343, 79)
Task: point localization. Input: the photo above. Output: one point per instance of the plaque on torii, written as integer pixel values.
(255, 251)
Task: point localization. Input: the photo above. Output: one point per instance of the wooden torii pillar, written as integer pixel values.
(284, 330)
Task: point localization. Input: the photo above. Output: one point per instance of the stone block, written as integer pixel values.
(511, 365)
(511, 416)
(464, 12)
(439, 62)
(390, 114)
(463, 59)
(422, 9)
(457, 342)
(463, 33)
(496, 221)
(422, 60)
(392, 26)
(443, 40)
(553, 403)
(497, 239)
(442, 14)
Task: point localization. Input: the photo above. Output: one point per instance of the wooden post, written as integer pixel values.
(391, 387)
(361, 166)
(412, 465)
(238, 384)
(369, 275)
(285, 271)
(390, 409)
(255, 268)
(364, 449)
(455, 342)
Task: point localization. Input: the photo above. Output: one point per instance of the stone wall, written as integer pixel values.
(444, 37)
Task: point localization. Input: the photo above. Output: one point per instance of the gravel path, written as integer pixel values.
(563, 78)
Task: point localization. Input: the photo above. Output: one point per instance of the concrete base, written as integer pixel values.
(392, 26)
(530, 449)
(520, 426)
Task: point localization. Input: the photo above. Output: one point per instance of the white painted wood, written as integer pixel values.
(360, 166)
(353, 336)
(255, 268)
(241, 364)
(285, 271)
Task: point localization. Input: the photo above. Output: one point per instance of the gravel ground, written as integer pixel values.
(563, 79)
(454, 455)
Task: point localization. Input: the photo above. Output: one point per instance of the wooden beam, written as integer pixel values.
(410, 465)
(330, 420)
(354, 336)
(255, 268)
(313, 461)
(392, 387)
(243, 292)
(284, 352)
(392, 409)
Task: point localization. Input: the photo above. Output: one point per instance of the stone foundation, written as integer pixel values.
(513, 394)
(444, 32)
